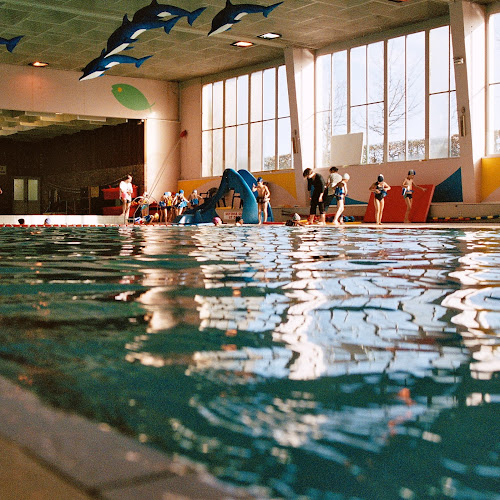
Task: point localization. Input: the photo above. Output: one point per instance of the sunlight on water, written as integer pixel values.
(301, 362)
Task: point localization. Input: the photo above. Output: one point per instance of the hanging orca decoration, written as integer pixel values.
(232, 13)
(126, 35)
(100, 64)
(11, 43)
(155, 11)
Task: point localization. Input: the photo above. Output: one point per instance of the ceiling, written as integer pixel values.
(68, 34)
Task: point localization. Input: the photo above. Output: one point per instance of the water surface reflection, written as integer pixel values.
(301, 362)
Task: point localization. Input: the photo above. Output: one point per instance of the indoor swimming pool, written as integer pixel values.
(300, 362)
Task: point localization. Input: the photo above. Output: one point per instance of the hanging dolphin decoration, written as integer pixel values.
(10, 43)
(126, 35)
(231, 14)
(100, 64)
(155, 11)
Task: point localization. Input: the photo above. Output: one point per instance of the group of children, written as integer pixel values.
(336, 188)
(174, 204)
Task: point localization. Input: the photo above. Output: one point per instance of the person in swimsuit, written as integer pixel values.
(379, 189)
(194, 199)
(340, 194)
(180, 203)
(263, 198)
(316, 186)
(407, 193)
(333, 179)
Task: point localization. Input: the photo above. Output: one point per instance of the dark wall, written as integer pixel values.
(69, 163)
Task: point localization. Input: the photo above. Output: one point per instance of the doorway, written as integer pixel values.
(26, 196)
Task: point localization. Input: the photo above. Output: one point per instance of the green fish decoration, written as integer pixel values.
(130, 97)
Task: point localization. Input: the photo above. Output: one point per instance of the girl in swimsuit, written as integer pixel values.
(407, 193)
(379, 189)
(340, 194)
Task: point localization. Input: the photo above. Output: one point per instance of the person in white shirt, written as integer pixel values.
(333, 179)
(126, 191)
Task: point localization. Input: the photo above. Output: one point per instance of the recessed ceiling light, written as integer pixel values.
(39, 64)
(269, 36)
(241, 43)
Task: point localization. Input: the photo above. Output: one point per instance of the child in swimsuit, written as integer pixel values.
(407, 193)
(340, 194)
(379, 189)
(263, 198)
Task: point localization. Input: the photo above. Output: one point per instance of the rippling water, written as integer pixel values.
(319, 363)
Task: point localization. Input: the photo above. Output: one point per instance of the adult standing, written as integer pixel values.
(333, 179)
(126, 190)
(316, 186)
(379, 189)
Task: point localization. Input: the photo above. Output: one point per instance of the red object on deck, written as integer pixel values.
(114, 193)
(395, 205)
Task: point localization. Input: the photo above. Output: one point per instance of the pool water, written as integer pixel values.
(311, 363)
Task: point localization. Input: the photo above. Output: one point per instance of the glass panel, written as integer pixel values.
(284, 144)
(18, 189)
(375, 133)
(269, 144)
(452, 68)
(339, 90)
(376, 72)
(230, 144)
(256, 147)
(242, 149)
(218, 104)
(495, 98)
(438, 125)
(218, 165)
(283, 103)
(454, 134)
(256, 96)
(207, 107)
(32, 189)
(206, 157)
(242, 108)
(324, 83)
(495, 48)
(323, 139)
(396, 99)
(269, 94)
(415, 131)
(230, 102)
(358, 124)
(358, 75)
(439, 59)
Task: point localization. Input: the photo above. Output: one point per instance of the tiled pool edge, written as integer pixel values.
(97, 460)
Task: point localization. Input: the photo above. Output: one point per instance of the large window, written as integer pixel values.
(443, 120)
(246, 123)
(494, 85)
(380, 89)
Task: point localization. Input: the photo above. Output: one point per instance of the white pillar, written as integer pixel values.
(468, 30)
(300, 78)
(162, 156)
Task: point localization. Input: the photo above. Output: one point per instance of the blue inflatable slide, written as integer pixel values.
(241, 182)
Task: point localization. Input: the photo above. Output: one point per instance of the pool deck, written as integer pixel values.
(49, 454)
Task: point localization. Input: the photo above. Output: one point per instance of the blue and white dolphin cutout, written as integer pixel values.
(231, 14)
(100, 64)
(155, 11)
(126, 35)
(11, 43)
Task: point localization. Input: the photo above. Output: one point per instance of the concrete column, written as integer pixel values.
(162, 156)
(300, 78)
(468, 31)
